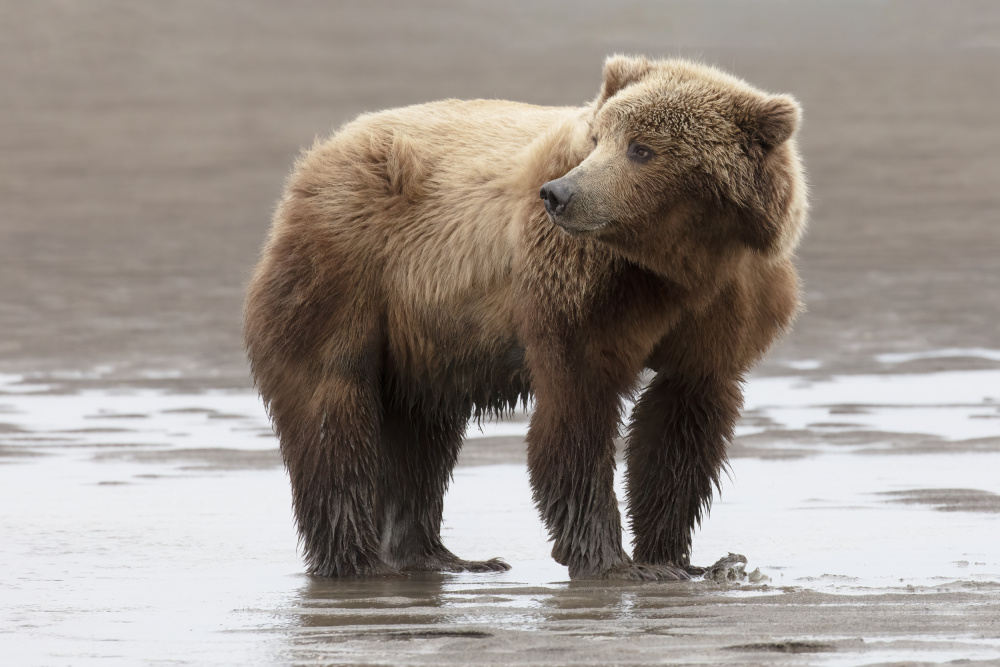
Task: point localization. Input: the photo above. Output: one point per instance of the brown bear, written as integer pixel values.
(414, 279)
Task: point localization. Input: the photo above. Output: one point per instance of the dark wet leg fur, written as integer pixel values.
(676, 453)
(330, 452)
(571, 461)
(420, 450)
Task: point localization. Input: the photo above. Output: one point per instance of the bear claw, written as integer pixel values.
(491, 565)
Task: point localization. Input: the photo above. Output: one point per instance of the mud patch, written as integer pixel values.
(9, 454)
(785, 647)
(789, 443)
(757, 419)
(116, 415)
(10, 428)
(202, 459)
(948, 500)
(211, 414)
(849, 410)
(439, 634)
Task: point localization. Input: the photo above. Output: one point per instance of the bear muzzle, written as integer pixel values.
(562, 203)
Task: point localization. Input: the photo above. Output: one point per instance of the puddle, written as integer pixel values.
(158, 524)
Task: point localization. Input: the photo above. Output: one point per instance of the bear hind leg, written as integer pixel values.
(330, 445)
(421, 449)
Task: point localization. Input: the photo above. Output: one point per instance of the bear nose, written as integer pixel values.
(556, 195)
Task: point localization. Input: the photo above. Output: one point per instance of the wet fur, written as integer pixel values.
(412, 280)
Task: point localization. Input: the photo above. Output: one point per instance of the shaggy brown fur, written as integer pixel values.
(412, 279)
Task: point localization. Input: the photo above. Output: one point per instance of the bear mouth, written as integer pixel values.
(577, 230)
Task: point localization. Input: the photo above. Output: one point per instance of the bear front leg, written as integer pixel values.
(421, 449)
(677, 441)
(571, 461)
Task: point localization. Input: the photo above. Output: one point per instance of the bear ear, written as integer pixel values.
(620, 71)
(774, 120)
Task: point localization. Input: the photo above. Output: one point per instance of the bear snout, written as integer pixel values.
(556, 195)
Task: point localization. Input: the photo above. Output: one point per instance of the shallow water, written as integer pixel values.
(156, 527)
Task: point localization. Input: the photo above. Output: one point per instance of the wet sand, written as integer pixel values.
(145, 526)
(146, 517)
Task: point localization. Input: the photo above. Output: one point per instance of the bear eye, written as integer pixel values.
(593, 139)
(639, 153)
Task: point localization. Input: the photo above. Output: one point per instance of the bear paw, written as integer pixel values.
(449, 562)
(374, 568)
(491, 565)
(641, 572)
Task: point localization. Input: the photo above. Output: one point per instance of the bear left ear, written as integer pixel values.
(620, 71)
(774, 120)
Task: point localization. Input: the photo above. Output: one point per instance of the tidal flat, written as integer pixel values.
(144, 514)
(154, 526)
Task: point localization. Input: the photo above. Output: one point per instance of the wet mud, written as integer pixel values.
(135, 518)
(949, 500)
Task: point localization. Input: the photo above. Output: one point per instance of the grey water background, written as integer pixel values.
(144, 515)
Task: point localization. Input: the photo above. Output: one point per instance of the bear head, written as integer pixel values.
(684, 153)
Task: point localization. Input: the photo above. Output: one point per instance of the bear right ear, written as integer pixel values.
(620, 71)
